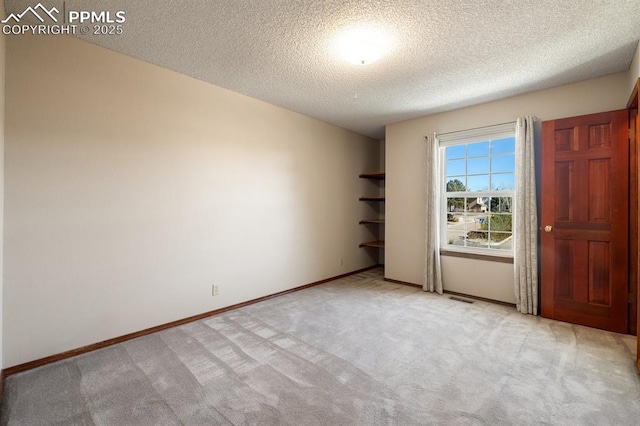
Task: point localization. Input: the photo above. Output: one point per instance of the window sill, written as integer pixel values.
(476, 256)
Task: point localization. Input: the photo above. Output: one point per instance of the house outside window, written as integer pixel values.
(478, 186)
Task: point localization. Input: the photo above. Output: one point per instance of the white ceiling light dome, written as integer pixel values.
(363, 44)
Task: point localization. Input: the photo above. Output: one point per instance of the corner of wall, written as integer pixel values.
(634, 69)
(2, 61)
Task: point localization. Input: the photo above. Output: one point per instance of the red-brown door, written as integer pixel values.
(634, 141)
(585, 211)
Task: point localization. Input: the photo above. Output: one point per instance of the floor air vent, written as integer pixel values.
(460, 299)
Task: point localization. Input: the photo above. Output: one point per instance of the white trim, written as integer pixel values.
(478, 250)
(481, 194)
(505, 130)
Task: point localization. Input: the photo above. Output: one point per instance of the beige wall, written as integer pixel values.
(634, 69)
(405, 149)
(131, 189)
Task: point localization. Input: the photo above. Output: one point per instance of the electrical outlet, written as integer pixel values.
(341, 261)
(215, 290)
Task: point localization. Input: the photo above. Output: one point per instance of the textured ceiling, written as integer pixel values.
(443, 54)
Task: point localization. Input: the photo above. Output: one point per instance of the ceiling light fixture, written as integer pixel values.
(362, 45)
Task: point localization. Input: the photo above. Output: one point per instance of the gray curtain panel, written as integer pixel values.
(525, 259)
(432, 270)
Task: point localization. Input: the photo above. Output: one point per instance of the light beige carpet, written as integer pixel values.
(357, 351)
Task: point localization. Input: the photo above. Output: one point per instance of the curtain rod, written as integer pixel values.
(477, 128)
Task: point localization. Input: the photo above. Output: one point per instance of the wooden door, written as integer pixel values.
(585, 189)
(633, 219)
(634, 137)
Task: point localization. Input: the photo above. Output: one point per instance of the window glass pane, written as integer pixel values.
(506, 145)
(455, 205)
(456, 184)
(499, 223)
(478, 183)
(478, 149)
(477, 205)
(457, 167)
(477, 239)
(457, 151)
(503, 163)
(479, 165)
(497, 237)
(501, 181)
(456, 221)
(501, 204)
(476, 222)
(455, 229)
(501, 241)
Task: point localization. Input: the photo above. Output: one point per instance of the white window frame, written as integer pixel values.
(481, 134)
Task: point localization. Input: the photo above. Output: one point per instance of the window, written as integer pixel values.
(478, 184)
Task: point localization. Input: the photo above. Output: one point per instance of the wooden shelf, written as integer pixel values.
(376, 221)
(377, 176)
(376, 244)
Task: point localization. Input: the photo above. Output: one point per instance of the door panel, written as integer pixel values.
(565, 250)
(599, 190)
(585, 184)
(563, 185)
(599, 279)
